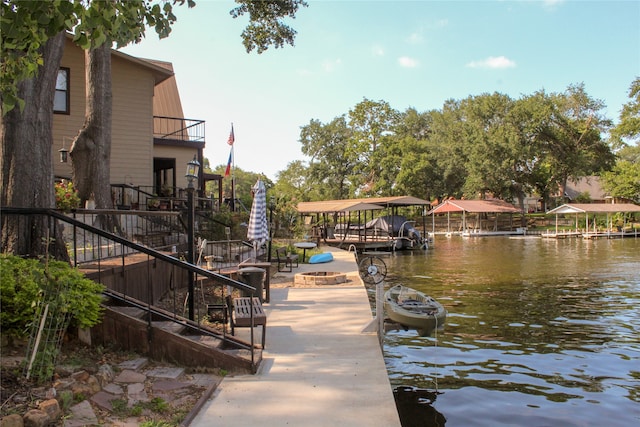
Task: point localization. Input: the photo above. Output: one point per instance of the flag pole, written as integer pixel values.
(232, 163)
(233, 180)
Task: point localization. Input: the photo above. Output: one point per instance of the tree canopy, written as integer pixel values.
(624, 179)
(487, 145)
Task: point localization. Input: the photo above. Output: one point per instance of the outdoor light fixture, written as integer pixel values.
(192, 171)
(64, 153)
(192, 174)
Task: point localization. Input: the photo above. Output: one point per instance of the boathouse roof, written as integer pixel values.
(474, 206)
(595, 208)
(350, 205)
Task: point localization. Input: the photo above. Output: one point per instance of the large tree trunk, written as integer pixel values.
(27, 170)
(91, 150)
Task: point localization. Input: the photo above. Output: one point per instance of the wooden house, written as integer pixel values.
(152, 141)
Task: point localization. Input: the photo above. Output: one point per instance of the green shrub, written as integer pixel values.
(20, 291)
(24, 283)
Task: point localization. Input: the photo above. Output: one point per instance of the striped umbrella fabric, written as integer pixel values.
(258, 231)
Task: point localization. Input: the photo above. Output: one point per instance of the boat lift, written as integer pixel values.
(373, 271)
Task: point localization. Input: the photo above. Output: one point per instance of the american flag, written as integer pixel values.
(232, 138)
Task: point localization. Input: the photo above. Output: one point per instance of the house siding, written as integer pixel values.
(132, 148)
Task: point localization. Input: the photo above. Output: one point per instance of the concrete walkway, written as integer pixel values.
(318, 368)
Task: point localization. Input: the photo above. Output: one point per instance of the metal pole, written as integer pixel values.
(270, 228)
(190, 242)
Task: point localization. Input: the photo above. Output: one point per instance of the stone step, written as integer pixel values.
(135, 312)
(169, 326)
(205, 340)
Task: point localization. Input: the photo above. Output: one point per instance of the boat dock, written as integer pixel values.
(319, 368)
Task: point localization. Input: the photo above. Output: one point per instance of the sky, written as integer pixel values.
(410, 54)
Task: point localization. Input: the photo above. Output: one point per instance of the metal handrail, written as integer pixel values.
(243, 287)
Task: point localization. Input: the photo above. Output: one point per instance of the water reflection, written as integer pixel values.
(415, 407)
(540, 332)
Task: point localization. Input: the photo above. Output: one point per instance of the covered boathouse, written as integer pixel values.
(373, 223)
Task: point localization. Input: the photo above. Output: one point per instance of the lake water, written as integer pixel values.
(540, 332)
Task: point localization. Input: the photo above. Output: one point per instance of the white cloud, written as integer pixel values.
(330, 65)
(493, 62)
(377, 50)
(441, 23)
(407, 62)
(304, 72)
(551, 4)
(415, 38)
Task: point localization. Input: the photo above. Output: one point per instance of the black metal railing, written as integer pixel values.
(109, 246)
(180, 129)
(140, 197)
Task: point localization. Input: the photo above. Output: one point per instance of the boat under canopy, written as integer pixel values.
(349, 222)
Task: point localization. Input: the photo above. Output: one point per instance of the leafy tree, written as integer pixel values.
(412, 167)
(491, 145)
(486, 145)
(531, 114)
(629, 126)
(624, 179)
(371, 124)
(101, 24)
(266, 27)
(529, 171)
(293, 181)
(447, 145)
(332, 158)
(25, 28)
(292, 186)
(573, 137)
(244, 180)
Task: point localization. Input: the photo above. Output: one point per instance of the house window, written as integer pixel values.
(61, 99)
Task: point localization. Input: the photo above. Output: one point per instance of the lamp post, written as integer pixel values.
(271, 206)
(192, 174)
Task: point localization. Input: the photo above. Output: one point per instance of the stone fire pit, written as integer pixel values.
(319, 278)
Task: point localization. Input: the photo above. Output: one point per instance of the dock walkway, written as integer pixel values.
(318, 368)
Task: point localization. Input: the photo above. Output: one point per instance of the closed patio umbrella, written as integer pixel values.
(258, 230)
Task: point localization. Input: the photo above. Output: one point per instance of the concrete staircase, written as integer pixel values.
(133, 326)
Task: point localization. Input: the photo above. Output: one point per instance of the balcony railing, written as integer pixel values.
(175, 128)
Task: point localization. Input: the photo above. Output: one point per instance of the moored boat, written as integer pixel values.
(414, 309)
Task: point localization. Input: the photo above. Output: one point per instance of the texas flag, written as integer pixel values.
(227, 172)
(232, 138)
